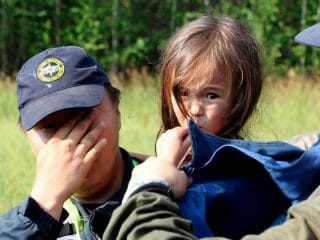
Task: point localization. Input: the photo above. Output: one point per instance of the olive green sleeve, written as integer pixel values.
(148, 215)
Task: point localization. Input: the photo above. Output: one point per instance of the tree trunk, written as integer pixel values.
(20, 42)
(57, 22)
(173, 12)
(314, 51)
(115, 40)
(3, 28)
(303, 25)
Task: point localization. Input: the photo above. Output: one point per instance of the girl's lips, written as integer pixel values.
(200, 127)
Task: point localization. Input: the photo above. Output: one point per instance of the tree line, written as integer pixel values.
(129, 34)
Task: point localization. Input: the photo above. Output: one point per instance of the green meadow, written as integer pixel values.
(287, 108)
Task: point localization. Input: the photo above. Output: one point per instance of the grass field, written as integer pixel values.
(287, 108)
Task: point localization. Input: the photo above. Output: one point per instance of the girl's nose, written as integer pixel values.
(195, 108)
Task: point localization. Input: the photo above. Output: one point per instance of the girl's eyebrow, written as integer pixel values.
(214, 87)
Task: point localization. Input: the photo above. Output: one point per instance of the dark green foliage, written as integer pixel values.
(127, 34)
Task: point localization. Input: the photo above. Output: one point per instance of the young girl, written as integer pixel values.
(211, 74)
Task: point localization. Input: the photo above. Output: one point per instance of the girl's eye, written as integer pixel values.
(211, 95)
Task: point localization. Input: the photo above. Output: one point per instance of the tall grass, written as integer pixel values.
(287, 108)
(16, 163)
(140, 118)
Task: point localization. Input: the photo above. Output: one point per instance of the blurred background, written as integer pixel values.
(127, 37)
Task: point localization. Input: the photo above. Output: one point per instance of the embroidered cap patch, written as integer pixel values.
(50, 70)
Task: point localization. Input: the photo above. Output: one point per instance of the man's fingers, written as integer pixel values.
(80, 128)
(94, 152)
(65, 130)
(88, 140)
(91, 137)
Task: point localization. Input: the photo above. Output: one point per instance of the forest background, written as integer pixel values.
(127, 37)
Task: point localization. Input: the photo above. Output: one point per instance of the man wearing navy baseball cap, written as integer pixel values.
(58, 79)
(69, 111)
(159, 216)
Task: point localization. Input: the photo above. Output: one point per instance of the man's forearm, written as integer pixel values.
(29, 221)
(148, 215)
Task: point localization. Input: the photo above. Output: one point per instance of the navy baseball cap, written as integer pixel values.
(57, 79)
(309, 36)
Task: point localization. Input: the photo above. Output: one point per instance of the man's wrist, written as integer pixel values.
(155, 185)
(44, 221)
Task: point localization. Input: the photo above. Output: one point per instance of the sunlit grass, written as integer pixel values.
(287, 108)
(140, 118)
(16, 163)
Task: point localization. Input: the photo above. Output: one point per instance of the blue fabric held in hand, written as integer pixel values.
(241, 186)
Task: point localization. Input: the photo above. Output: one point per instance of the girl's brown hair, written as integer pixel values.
(194, 55)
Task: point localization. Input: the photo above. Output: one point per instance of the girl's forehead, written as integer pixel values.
(204, 79)
(198, 72)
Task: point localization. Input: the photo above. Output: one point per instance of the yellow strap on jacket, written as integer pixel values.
(75, 216)
(76, 219)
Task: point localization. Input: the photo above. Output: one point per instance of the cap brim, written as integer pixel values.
(76, 97)
(310, 36)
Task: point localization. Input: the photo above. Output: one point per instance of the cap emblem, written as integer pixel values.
(50, 70)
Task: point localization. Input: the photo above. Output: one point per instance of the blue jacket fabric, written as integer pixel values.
(241, 187)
